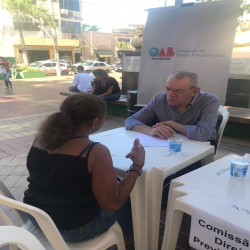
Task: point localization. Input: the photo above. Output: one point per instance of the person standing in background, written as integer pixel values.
(7, 79)
(3, 72)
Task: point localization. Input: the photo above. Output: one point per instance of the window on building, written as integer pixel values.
(70, 5)
(26, 25)
(61, 4)
(76, 6)
(71, 27)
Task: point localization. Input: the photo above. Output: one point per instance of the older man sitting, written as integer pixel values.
(183, 108)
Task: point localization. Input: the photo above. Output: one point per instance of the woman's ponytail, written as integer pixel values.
(55, 130)
(74, 111)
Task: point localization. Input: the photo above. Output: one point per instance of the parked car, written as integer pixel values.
(53, 60)
(50, 67)
(92, 65)
(114, 64)
(118, 67)
(61, 61)
(81, 62)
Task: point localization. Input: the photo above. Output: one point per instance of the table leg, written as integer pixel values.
(146, 208)
(139, 213)
(154, 184)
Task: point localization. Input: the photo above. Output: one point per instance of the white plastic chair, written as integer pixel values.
(49, 236)
(20, 237)
(225, 115)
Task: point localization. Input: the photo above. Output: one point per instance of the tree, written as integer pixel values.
(38, 14)
(84, 26)
(93, 28)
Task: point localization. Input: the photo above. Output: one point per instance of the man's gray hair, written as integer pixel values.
(192, 76)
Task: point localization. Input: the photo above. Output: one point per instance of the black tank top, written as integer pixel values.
(61, 186)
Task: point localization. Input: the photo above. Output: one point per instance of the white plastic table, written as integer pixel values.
(146, 195)
(211, 183)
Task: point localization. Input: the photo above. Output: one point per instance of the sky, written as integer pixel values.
(111, 14)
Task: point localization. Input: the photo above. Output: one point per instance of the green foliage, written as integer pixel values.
(244, 8)
(25, 68)
(90, 27)
(93, 28)
(122, 44)
(21, 67)
(85, 26)
(25, 8)
(32, 69)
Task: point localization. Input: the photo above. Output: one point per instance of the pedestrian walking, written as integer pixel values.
(3, 72)
(7, 79)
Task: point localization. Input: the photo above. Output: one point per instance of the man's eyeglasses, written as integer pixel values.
(176, 91)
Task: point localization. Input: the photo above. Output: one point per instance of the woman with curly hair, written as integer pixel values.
(72, 178)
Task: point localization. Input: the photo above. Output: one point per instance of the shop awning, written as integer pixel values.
(104, 53)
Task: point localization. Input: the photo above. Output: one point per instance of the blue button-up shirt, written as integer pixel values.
(200, 117)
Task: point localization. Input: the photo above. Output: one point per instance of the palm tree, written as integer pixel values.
(25, 8)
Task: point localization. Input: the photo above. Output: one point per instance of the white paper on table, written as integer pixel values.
(151, 141)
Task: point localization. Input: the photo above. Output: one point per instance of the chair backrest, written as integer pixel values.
(5, 191)
(18, 236)
(225, 115)
(45, 222)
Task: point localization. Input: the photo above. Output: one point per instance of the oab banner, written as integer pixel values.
(196, 38)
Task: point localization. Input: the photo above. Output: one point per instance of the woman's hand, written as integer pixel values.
(137, 153)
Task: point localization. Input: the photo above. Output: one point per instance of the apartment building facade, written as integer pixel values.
(40, 46)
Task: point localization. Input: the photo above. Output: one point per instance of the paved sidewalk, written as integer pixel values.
(21, 111)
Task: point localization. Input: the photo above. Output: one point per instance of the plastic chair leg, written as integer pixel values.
(119, 235)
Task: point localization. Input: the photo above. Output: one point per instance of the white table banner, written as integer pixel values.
(195, 38)
(214, 233)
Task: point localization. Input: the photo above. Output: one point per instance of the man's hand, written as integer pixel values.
(166, 123)
(173, 125)
(162, 131)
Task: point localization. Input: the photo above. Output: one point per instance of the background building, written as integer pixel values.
(40, 46)
(122, 40)
(107, 47)
(99, 46)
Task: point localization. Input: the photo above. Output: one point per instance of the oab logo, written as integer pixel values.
(156, 53)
